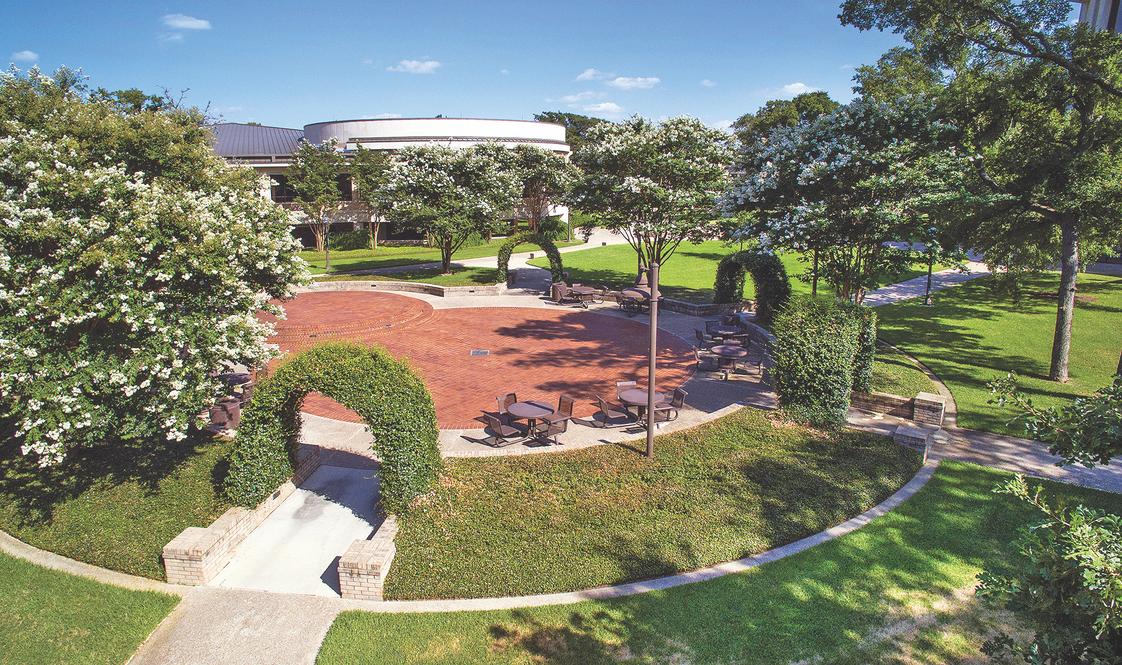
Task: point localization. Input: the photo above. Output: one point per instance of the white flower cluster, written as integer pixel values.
(121, 296)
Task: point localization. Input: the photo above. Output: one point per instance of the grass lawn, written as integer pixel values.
(821, 602)
(52, 617)
(604, 515)
(972, 335)
(387, 257)
(895, 373)
(116, 506)
(459, 277)
(688, 275)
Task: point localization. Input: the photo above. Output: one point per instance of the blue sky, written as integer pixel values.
(291, 63)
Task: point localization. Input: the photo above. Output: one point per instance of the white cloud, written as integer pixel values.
(795, 89)
(706, 83)
(25, 56)
(603, 107)
(579, 97)
(168, 37)
(593, 74)
(504, 72)
(383, 116)
(634, 82)
(847, 68)
(415, 66)
(185, 22)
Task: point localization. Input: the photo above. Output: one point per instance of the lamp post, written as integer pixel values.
(651, 358)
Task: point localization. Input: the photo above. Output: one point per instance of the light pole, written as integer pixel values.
(651, 358)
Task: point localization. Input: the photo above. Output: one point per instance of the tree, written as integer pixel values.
(783, 113)
(577, 126)
(545, 176)
(848, 184)
(450, 194)
(936, 249)
(899, 72)
(1040, 105)
(133, 262)
(655, 184)
(314, 174)
(369, 169)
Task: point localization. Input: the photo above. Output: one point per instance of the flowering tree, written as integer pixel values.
(655, 184)
(368, 170)
(122, 292)
(449, 194)
(314, 173)
(545, 176)
(848, 184)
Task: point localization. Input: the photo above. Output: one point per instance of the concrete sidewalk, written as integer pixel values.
(917, 287)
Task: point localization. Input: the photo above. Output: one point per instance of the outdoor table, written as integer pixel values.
(530, 411)
(727, 331)
(637, 397)
(583, 293)
(729, 352)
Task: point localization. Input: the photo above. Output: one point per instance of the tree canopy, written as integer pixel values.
(577, 126)
(546, 177)
(783, 113)
(314, 174)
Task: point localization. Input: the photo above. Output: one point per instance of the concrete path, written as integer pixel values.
(917, 287)
(297, 548)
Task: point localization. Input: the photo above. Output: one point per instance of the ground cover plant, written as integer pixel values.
(824, 602)
(116, 506)
(974, 334)
(49, 617)
(542, 523)
(389, 257)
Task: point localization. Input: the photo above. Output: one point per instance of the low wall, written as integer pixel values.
(365, 564)
(406, 287)
(886, 403)
(197, 554)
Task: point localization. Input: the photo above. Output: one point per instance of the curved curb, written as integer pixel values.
(21, 550)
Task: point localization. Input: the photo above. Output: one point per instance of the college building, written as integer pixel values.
(269, 150)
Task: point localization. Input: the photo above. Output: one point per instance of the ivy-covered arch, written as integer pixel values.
(773, 288)
(547, 245)
(384, 391)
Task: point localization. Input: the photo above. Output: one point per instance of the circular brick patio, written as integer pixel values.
(538, 353)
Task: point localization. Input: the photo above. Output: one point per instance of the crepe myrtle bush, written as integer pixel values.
(385, 392)
(815, 346)
(123, 292)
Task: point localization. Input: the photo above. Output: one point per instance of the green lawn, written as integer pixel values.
(116, 506)
(688, 275)
(895, 373)
(459, 277)
(821, 602)
(604, 515)
(972, 335)
(388, 257)
(50, 617)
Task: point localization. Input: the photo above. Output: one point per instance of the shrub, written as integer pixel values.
(556, 270)
(866, 346)
(391, 399)
(815, 346)
(1064, 581)
(773, 288)
(346, 240)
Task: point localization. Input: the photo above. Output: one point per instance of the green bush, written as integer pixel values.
(773, 288)
(866, 346)
(391, 399)
(341, 241)
(815, 347)
(556, 270)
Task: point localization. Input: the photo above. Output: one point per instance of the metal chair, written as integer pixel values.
(502, 433)
(703, 340)
(705, 363)
(612, 414)
(564, 409)
(548, 429)
(504, 402)
(668, 411)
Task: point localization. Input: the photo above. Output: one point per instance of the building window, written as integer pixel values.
(281, 191)
(345, 189)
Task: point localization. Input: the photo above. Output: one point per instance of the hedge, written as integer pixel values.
(385, 392)
(814, 350)
(866, 346)
(541, 240)
(773, 288)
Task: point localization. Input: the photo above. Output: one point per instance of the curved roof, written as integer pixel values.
(233, 139)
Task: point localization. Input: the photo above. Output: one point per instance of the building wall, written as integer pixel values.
(397, 133)
(1102, 14)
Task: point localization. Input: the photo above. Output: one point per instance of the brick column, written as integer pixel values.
(365, 564)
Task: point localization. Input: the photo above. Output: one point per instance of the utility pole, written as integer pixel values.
(652, 355)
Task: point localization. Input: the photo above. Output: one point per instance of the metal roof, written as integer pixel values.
(234, 139)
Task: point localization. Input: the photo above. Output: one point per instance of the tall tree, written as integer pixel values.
(449, 194)
(577, 126)
(900, 71)
(783, 113)
(1040, 105)
(655, 184)
(314, 174)
(546, 178)
(369, 170)
(863, 176)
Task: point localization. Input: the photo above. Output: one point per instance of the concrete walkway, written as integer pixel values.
(917, 287)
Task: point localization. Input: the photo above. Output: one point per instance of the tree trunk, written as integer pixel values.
(930, 269)
(327, 247)
(374, 226)
(317, 235)
(1119, 372)
(446, 258)
(1065, 306)
(814, 275)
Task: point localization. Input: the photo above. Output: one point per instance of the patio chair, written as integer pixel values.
(711, 327)
(613, 415)
(668, 411)
(550, 430)
(703, 340)
(564, 409)
(705, 362)
(502, 434)
(504, 402)
(622, 386)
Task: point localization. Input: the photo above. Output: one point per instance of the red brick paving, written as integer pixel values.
(538, 353)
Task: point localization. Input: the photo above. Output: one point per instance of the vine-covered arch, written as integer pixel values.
(547, 245)
(773, 288)
(384, 391)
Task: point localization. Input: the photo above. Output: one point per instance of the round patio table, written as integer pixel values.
(730, 352)
(584, 293)
(637, 397)
(727, 331)
(531, 411)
